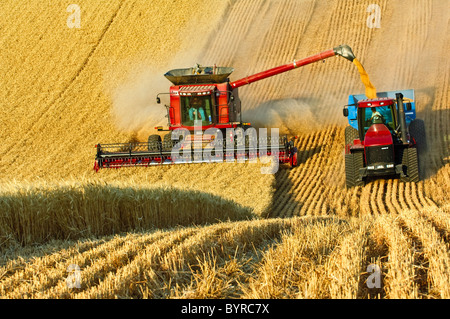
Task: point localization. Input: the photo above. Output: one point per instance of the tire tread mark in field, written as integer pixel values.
(244, 245)
(93, 264)
(420, 261)
(109, 287)
(397, 257)
(22, 278)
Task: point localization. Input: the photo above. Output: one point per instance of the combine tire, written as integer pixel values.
(353, 162)
(154, 143)
(167, 143)
(409, 160)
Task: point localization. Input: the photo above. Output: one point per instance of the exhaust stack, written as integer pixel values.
(401, 117)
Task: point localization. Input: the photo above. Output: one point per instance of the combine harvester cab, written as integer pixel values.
(383, 137)
(205, 121)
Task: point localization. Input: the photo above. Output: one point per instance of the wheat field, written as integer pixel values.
(216, 230)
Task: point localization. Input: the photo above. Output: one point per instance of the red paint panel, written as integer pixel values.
(222, 103)
(378, 135)
(175, 111)
(376, 102)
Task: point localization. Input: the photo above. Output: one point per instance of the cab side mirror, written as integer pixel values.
(345, 112)
(408, 106)
(158, 100)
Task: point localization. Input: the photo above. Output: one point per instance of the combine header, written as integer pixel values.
(205, 121)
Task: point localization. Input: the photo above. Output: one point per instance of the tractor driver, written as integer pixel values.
(196, 112)
(376, 117)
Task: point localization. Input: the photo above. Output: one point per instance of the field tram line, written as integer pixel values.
(89, 262)
(151, 267)
(431, 254)
(16, 264)
(24, 271)
(224, 270)
(31, 129)
(101, 273)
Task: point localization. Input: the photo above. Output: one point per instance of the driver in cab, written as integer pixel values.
(196, 111)
(376, 117)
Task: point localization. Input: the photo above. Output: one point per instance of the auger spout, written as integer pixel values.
(343, 50)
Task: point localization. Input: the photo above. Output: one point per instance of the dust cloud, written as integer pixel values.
(134, 106)
(289, 115)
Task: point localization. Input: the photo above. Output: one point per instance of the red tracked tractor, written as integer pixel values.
(383, 138)
(205, 121)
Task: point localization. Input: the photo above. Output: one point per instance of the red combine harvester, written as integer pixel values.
(204, 115)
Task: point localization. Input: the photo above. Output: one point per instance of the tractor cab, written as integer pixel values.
(376, 112)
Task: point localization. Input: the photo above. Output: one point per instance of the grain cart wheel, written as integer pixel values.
(353, 162)
(409, 159)
(417, 131)
(350, 135)
(154, 143)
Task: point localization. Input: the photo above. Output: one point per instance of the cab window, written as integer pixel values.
(197, 107)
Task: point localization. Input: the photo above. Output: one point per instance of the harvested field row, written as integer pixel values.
(306, 257)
